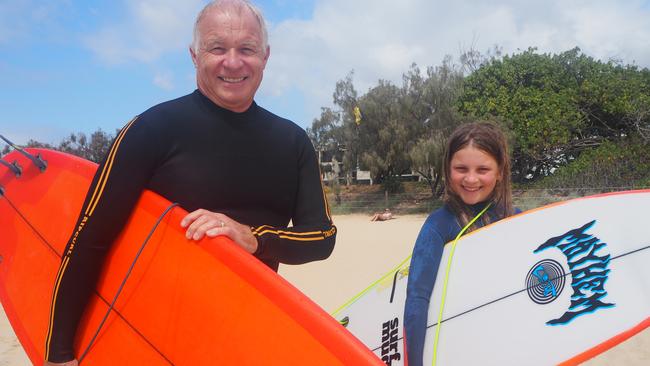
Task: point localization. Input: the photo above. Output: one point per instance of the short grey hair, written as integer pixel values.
(196, 40)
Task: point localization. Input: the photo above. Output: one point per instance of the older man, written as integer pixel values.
(240, 170)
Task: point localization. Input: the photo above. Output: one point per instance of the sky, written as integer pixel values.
(69, 66)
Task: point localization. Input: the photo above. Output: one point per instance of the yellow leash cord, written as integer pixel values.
(389, 273)
(444, 287)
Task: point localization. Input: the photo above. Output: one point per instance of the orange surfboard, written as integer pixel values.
(184, 303)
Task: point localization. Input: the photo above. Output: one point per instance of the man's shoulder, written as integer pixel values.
(171, 107)
(279, 122)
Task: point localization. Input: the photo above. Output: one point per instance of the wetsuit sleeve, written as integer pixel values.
(422, 276)
(115, 189)
(313, 233)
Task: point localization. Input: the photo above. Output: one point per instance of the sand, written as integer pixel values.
(330, 283)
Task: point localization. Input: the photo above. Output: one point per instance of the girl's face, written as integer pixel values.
(474, 174)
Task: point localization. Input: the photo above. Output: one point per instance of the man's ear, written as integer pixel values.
(193, 55)
(268, 53)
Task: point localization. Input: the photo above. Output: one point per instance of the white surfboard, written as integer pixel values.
(561, 283)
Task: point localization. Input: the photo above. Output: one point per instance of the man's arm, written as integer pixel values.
(115, 189)
(313, 233)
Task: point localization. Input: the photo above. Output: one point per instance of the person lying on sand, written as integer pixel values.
(382, 216)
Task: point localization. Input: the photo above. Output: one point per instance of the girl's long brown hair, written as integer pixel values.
(488, 138)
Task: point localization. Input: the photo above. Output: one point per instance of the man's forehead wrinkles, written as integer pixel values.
(216, 39)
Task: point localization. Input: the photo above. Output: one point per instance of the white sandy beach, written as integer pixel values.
(330, 283)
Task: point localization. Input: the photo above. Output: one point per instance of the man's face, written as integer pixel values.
(230, 58)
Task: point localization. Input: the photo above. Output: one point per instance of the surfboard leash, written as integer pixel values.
(126, 277)
(357, 296)
(444, 287)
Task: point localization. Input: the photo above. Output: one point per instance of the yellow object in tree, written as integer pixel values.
(357, 115)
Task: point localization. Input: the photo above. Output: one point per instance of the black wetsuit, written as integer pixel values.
(255, 167)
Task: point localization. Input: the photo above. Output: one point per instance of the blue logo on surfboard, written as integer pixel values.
(545, 281)
(589, 272)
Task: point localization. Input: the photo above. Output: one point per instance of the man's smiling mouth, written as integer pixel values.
(232, 80)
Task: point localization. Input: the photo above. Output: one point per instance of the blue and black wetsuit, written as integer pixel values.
(255, 167)
(440, 227)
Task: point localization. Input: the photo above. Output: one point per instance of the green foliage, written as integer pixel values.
(427, 157)
(555, 108)
(625, 163)
(383, 134)
(558, 105)
(392, 184)
(393, 121)
(37, 144)
(94, 148)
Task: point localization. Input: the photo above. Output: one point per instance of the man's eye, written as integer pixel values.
(248, 51)
(218, 50)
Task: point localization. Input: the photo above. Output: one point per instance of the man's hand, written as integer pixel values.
(202, 223)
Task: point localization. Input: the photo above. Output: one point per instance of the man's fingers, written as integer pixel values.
(219, 231)
(208, 224)
(190, 217)
(196, 224)
(202, 223)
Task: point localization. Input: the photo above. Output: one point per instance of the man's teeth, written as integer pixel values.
(232, 80)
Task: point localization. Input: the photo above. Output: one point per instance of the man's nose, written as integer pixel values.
(232, 58)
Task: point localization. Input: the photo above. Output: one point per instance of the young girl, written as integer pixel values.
(477, 174)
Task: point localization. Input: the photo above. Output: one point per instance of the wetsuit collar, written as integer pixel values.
(478, 207)
(229, 115)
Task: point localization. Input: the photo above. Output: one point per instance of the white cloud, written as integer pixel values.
(21, 19)
(150, 29)
(379, 39)
(164, 80)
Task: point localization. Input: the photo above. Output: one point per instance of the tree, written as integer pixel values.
(427, 156)
(625, 163)
(558, 105)
(436, 95)
(379, 129)
(326, 136)
(94, 149)
(384, 132)
(37, 144)
(345, 96)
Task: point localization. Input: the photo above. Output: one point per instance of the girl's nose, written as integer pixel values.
(471, 178)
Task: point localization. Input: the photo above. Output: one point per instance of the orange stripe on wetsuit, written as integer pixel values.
(88, 211)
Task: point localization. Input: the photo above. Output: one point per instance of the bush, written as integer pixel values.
(622, 164)
(392, 185)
